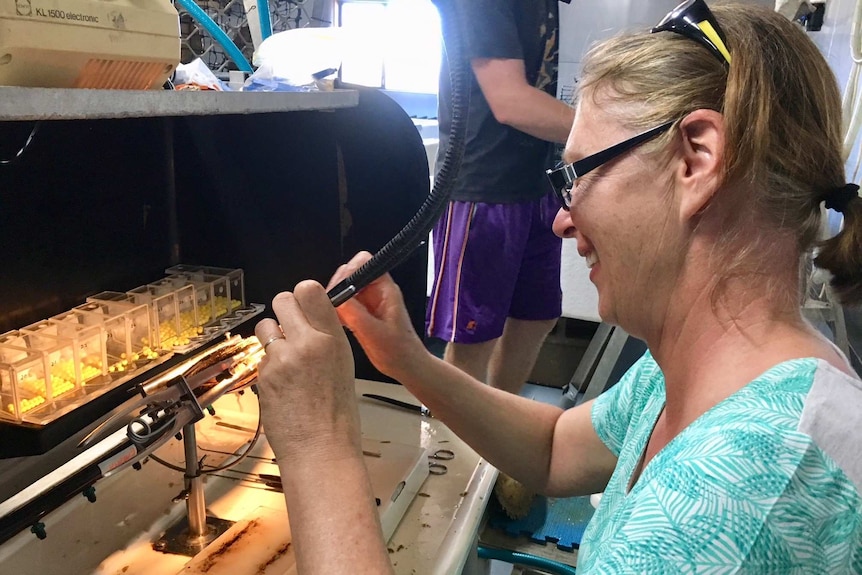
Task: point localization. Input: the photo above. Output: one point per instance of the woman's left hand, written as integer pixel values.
(306, 381)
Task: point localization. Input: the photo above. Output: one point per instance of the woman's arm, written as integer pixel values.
(542, 446)
(311, 420)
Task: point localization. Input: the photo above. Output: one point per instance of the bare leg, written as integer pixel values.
(505, 362)
(516, 351)
(472, 358)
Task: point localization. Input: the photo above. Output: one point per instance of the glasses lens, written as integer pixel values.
(566, 196)
(675, 13)
(561, 186)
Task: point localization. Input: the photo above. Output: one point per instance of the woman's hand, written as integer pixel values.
(306, 381)
(378, 318)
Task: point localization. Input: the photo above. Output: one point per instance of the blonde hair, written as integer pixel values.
(782, 116)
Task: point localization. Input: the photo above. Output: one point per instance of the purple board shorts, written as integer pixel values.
(491, 262)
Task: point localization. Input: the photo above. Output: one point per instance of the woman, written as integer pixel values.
(701, 155)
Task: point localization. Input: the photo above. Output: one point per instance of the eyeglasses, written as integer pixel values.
(693, 20)
(563, 177)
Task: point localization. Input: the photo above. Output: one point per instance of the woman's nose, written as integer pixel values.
(563, 225)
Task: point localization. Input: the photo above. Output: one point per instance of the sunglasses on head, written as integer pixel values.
(693, 20)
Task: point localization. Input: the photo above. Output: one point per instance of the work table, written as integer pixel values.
(114, 535)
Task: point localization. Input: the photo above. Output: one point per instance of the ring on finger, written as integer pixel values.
(272, 339)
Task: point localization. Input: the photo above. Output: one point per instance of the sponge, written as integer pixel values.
(514, 497)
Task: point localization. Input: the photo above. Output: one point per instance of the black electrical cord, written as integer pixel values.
(244, 454)
(415, 233)
(24, 147)
(233, 463)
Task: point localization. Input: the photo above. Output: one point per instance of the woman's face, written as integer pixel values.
(623, 219)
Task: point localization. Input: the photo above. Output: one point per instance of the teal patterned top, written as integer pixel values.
(746, 488)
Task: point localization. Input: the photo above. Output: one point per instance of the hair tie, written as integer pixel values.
(839, 198)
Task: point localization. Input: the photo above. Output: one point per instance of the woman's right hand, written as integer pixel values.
(378, 318)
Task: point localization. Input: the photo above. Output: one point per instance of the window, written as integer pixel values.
(391, 44)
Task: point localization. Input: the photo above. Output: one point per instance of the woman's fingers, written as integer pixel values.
(268, 332)
(344, 271)
(316, 307)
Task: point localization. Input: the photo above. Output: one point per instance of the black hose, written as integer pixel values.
(417, 229)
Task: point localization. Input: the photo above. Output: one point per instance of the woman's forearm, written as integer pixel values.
(515, 434)
(333, 517)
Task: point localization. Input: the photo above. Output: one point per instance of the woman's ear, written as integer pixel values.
(700, 171)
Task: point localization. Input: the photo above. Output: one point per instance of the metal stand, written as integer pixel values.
(195, 531)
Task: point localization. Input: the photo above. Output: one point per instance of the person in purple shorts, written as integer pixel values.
(496, 291)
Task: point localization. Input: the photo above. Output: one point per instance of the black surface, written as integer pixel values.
(88, 207)
(79, 214)
(387, 178)
(289, 197)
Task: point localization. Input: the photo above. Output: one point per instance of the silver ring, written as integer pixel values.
(272, 339)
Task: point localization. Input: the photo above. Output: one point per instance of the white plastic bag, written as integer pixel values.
(196, 73)
(294, 59)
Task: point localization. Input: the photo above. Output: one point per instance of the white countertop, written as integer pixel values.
(114, 535)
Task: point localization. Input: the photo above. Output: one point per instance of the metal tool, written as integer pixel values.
(270, 481)
(420, 409)
(436, 468)
(173, 391)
